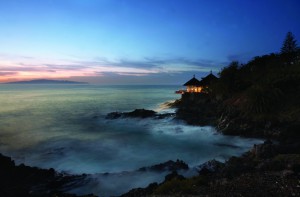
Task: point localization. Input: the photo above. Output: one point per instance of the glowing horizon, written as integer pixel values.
(31, 69)
(136, 41)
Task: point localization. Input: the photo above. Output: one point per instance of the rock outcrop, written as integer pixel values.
(138, 113)
(197, 109)
(25, 181)
(167, 166)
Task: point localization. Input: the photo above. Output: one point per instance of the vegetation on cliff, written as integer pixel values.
(260, 96)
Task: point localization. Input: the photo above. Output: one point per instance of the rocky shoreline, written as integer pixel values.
(272, 168)
(25, 181)
(268, 169)
(21, 180)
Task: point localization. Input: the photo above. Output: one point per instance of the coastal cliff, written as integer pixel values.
(258, 99)
(229, 119)
(198, 109)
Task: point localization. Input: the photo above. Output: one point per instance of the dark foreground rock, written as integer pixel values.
(138, 113)
(25, 181)
(167, 166)
(267, 170)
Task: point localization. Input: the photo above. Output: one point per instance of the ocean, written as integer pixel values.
(64, 127)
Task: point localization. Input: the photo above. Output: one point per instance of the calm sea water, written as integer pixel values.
(64, 127)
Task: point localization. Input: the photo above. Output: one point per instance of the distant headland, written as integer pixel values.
(46, 81)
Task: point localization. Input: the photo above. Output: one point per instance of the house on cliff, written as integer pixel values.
(196, 86)
(193, 85)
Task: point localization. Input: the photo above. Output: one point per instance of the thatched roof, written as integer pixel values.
(193, 82)
(205, 81)
(208, 79)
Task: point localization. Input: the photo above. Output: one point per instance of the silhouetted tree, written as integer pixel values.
(228, 80)
(289, 49)
(289, 44)
(263, 89)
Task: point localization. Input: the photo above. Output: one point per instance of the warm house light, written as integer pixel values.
(196, 86)
(194, 89)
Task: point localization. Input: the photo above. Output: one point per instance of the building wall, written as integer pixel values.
(196, 89)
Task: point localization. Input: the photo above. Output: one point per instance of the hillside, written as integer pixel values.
(257, 99)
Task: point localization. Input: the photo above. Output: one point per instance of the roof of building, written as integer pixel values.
(193, 82)
(204, 81)
(208, 79)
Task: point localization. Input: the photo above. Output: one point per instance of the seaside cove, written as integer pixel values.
(64, 127)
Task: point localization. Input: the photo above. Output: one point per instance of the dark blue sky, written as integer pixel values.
(137, 41)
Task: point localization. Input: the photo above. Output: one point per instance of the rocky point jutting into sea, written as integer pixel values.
(258, 99)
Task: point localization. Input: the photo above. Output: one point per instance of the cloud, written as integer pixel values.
(136, 64)
(14, 56)
(69, 66)
(155, 64)
(32, 68)
(21, 68)
(7, 73)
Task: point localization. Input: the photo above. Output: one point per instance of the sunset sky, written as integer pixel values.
(137, 41)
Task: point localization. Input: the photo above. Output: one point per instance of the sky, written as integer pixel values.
(137, 41)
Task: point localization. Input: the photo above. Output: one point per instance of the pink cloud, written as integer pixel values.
(7, 73)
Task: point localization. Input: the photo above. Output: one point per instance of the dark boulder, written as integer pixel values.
(138, 113)
(167, 166)
(23, 180)
(174, 175)
(114, 115)
(265, 150)
(210, 166)
(6, 162)
(137, 192)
